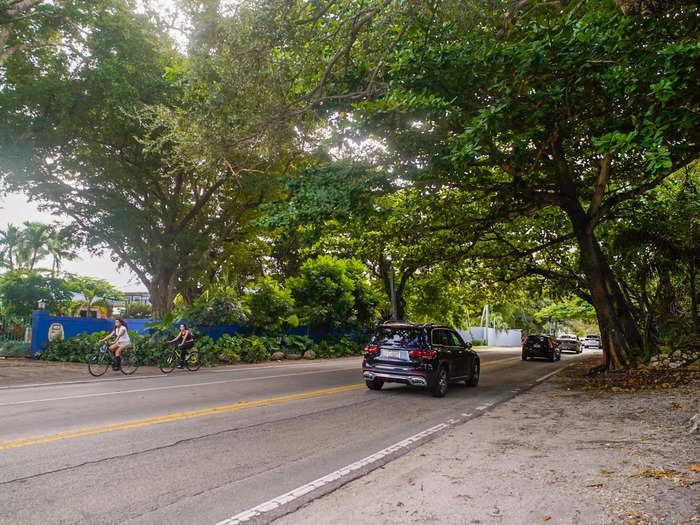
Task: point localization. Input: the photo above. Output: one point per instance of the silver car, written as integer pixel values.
(591, 342)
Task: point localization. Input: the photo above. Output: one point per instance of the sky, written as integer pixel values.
(15, 209)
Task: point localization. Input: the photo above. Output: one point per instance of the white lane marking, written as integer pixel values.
(351, 364)
(329, 478)
(170, 387)
(546, 376)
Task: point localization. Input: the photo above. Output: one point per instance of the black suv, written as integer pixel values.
(540, 345)
(421, 355)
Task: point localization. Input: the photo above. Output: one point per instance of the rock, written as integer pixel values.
(674, 365)
(293, 356)
(309, 354)
(278, 356)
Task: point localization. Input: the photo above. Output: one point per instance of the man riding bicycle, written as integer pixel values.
(121, 341)
(186, 342)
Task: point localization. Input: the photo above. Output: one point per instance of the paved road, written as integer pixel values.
(202, 447)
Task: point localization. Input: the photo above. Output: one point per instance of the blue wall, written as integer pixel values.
(72, 326)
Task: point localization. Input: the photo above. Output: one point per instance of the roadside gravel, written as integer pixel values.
(551, 455)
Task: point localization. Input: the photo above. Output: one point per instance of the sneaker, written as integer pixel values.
(180, 365)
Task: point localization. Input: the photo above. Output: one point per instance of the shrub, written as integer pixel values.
(478, 342)
(15, 349)
(137, 311)
(269, 306)
(295, 344)
(148, 348)
(333, 293)
(220, 308)
(75, 349)
(338, 347)
(207, 350)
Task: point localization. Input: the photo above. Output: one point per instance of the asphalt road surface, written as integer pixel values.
(201, 447)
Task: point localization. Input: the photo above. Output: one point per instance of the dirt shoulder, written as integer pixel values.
(558, 453)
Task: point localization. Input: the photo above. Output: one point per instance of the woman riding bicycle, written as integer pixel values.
(121, 341)
(186, 341)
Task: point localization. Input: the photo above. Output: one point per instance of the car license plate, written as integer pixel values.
(392, 354)
(536, 346)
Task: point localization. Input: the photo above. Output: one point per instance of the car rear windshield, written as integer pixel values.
(592, 337)
(536, 338)
(397, 336)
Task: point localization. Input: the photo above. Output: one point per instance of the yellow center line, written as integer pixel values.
(500, 361)
(89, 431)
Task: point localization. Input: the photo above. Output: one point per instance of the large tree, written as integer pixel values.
(85, 146)
(544, 130)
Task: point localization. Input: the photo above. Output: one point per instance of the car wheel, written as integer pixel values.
(524, 357)
(374, 384)
(553, 357)
(439, 389)
(559, 356)
(476, 370)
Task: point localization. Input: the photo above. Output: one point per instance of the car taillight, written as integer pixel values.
(422, 353)
(372, 350)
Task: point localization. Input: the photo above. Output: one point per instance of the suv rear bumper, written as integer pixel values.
(393, 377)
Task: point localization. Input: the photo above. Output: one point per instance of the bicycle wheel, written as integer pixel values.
(129, 361)
(98, 363)
(193, 362)
(167, 361)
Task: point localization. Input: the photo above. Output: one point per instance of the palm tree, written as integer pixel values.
(10, 240)
(61, 248)
(35, 236)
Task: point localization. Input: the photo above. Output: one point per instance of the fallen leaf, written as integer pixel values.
(547, 518)
(399, 504)
(695, 468)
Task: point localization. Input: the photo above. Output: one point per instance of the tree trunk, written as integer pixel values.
(162, 292)
(620, 335)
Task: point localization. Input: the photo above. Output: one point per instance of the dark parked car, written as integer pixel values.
(424, 355)
(540, 345)
(569, 343)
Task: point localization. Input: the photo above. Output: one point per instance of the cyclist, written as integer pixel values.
(186, 341)
(121, 341)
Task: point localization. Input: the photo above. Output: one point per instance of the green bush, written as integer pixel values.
(227, 348)
(223, 307)
(332, 346)
(478, 342)
(148, 348)
(76, 349)
(295, 344)
(333, 293)
(269, 306)
(14, 349)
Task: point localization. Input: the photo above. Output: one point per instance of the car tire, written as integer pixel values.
(553, 357)
(374, 384)
(559, 356)
(439, 389)
(524, 357)
(476, 372)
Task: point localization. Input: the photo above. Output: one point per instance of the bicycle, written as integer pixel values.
(102, 359)
(169, 359)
